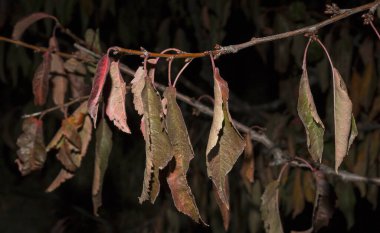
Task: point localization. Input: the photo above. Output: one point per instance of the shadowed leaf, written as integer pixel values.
(345, 126)
(62, 176)
(97, 86)
(157, 144)
(41, 80)
(32, 153)
(183, 153)
(76, 73)
(248, 168)
(310, 118)
(298, 197)
(25, 22)
(138, 83)
(269, 208)
(115, 109)
(102, 153)
(225, 143)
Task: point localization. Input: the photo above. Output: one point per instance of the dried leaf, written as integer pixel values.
(138, 83)
(65, 155)
(225, 143)
(63, 175)
(102, 153)
(85, 134)
(41, 80)
(32, 154)
(183, 153)
(269, 208)
(345, 126)
(25, 22)
(115, 109)
(157, 144)
(222, 207)
(97, 86)
(248, 167)
(77, 72)
(310, 118)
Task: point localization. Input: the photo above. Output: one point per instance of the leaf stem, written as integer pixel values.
(181, 71)
(374, 29)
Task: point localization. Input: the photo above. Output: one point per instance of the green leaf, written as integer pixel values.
(310, 118)
(269, 208)
(102, 153)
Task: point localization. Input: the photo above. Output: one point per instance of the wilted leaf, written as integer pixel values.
(63, 175)
(41, 80)
(25, 22)
(225, 143)
(269, 208)
(310, 118)
(222, 207)
(85, 134)
(248, 167)
(183, 153)
(138, 83)
(32, 154)
(157, 144)
(345, 127)
(97, 86)
(116, 101)
(102, 153)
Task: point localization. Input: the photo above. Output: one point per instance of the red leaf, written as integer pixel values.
(32, 153)
(116, 102)
(25, 22)
(41, 80)
(97, 86)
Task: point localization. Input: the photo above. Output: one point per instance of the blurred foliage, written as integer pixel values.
(263, 83)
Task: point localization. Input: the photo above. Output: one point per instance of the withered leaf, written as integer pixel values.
(157, 144)
(310, 118)
(298, 197)
(115, 108)
(62, 176)
(222, 207)
(41, 80)
(65, 155)
(25, 22)
(269, 208)
(138, 83)
(102, 153)
(97, 86)
(31, 153)
(183, 153)
(345, 126)
(225, 143)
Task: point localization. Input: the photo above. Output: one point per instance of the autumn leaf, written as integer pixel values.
(138, 83)
(41, 80)
(248, 168)
(298, 197)
(62, 176)
(31, 153)
(183, 153)
(65, 155)
(102, 153)
(310, 118)
(25, 22)
(345, 126)
(115, 108)
(97, 86)
(76, 73)
(269, 208)
(225, 143)
(157, 144)
(222, 207)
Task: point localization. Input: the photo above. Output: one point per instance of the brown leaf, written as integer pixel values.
(57, 70)
(77, 72)
(310, 118)
(345, 127)
(269, 208)
(65, 155)
(222, 207)
(115, 109)
(138, 83)
(41, 80)
(158, 148)
(183, 153)
(85, 134)
(25, 22)
(248, 168)
(97, 86)
(102, 153)
(63, 175)
(32, 153)
(225, 143)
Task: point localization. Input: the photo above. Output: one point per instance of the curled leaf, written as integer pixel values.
(41, 80)
(76, 73)
(183, 153)
(115, 109)
(32, 154)
(310, 118)
(157, 144)
(345, 126)
(269, 208)
(97, 86)
(225, 143)
(25, 22)
(62, 176)
(102, 153)
(138, 83)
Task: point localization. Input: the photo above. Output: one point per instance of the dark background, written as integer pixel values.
(263, 82)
